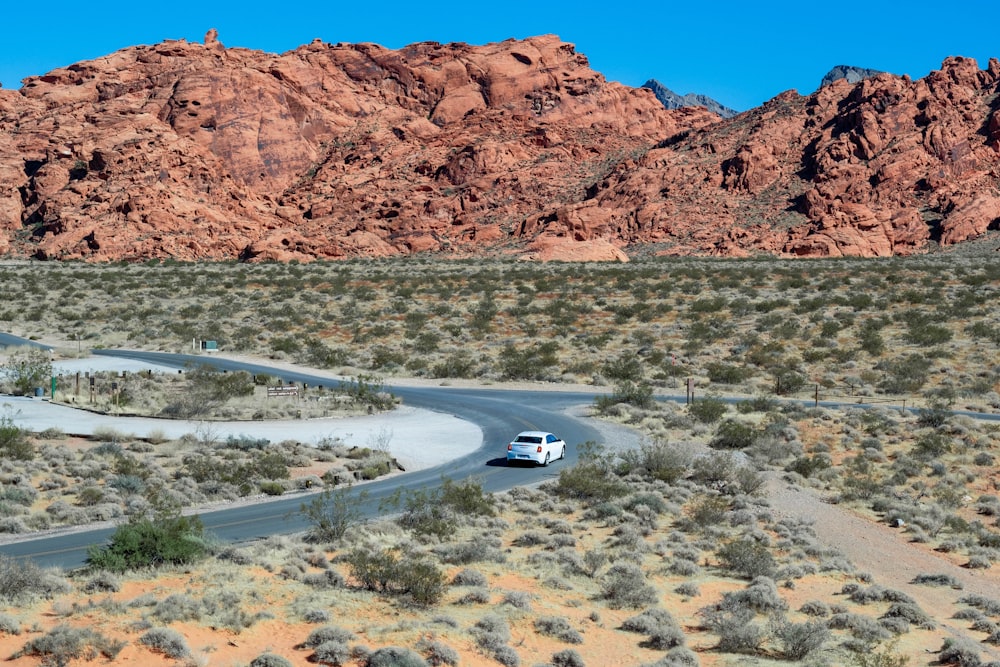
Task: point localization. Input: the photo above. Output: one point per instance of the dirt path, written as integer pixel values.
(888, 555)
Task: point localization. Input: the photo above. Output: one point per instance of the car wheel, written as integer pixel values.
(562, 453)
(546, 461)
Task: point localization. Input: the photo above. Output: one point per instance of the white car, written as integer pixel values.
(536, 446)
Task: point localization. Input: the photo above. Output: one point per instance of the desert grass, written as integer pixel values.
(539, 597)
(668, 554)
(904, 329)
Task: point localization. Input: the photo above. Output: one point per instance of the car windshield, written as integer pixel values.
(529, 439)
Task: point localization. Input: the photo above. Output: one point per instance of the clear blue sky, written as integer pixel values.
(740, 53)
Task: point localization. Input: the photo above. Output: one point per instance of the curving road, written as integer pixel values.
(498, 413)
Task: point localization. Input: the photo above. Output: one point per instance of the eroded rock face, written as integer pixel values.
(195, 150)
(881, 167)
(328, 151)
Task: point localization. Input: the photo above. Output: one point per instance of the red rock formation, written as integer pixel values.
(882, 167)
(191, 150)
(199, 151)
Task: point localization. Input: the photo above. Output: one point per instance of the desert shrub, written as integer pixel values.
(807, 466)
(327, 633)
(270, 660)
(22, 580)
(394, 656)
(507, 656)
(737, 631)
(724, 373)
(316, 616)
(383, 571)
(437, 652)
(733, 434)
(64, 643)
(938, 580)
(492, 633)
(457, 365)
(436, 512)
(761, 596)
(879, 656)
(178, 607)
(747, 558)
(708, 511)
(272, 488)
(661, 628)
(658, 460)
(799, 640)
(530, 363)
(688, 589)
(589, 481)
(707, 410)
(653, 501)
(959, 651)
(463, 553)
(717, 469)
(863, 628)
(475, 595)
(530, 538)
(639, 394)
(325, 580)
(904, 374)
(9, 625)
(517, 599)
(911, 613)
(333, 652)
(27, 368)
(592, 561)
(14, 441)
(167, 641)
(567, 658)
(931, 445)
(559, 628)
(624, 586)
(815, 608)
(875, 593)
(986, 605)
(332, 512)
(424, 582)
(165, 540)
(468, 577)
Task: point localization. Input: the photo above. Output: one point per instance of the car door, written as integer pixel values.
(550, 448)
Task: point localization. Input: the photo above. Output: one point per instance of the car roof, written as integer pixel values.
(534, 433)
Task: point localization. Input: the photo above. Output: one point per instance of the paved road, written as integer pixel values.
(498, 413)
(10, 340)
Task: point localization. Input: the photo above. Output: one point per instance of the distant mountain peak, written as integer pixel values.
(849, 72)
(672, 100)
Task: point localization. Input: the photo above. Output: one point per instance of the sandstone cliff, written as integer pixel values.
(193, 151)
(881, 167)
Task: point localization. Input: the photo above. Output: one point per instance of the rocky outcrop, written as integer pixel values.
(848, 73)
(885, 166)
(196, 151)
(672, 100)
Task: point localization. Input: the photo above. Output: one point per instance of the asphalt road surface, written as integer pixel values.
(500, 414)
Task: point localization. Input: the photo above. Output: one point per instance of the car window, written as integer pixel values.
(529, 439)
(550, 438)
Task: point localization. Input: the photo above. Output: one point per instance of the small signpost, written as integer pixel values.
(283, 390)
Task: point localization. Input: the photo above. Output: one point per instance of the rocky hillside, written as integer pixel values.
(189, 150)
(881, 167)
